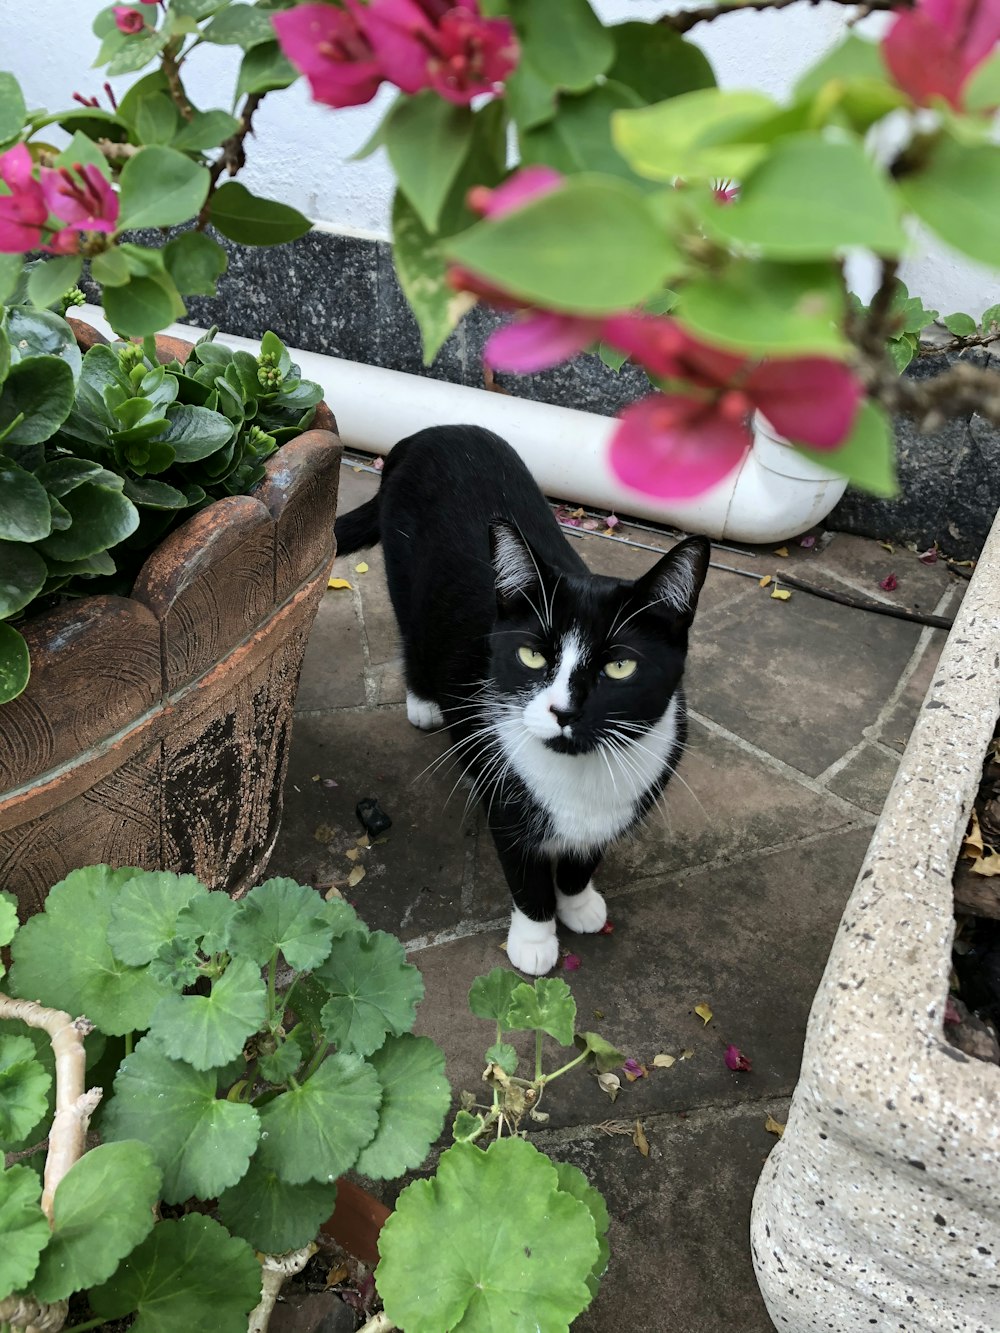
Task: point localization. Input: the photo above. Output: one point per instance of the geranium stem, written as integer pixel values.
(538, 1056)
(547, 1078)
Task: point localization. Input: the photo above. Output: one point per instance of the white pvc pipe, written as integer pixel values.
(774, 494)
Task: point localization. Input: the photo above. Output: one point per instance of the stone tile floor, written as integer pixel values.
(731, 897)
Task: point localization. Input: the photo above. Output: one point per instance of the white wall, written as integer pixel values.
(300, 151)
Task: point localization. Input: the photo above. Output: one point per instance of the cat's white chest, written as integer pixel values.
(590, 799)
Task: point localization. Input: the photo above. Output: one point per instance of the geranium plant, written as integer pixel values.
(243, 1055)
(102, 454)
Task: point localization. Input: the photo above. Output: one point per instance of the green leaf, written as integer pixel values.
(210, 1030)
(82, 151)
(281, 914)
(981, 91)
(196, 432)
(278, 1066)
(991, 319)
(265, 68)
(205, 130)
(420, 268)
(811, 198)
(161, 187)
(373, 991)
(546, 1006)
(657, 63)
(606, 1056)
(427, 139)
(240, 25)
(89, 979)
(184, 1275)
(110, 268)
(316, 1130)
(692, 135)
(144, 913)
(489, 996)
(50, 281)
(135, 53)
(961, 325)
(25, 515)
(15, 666)
(902, 351)
(201, 1144)
(148, 493)
(24, 1087)
(767, 308)
(504, 1055)
(467, 1128)
(12, 109)
(142, 306)
(511, 1249)
(10, 273)
(866, 457)
(415, 1099)
(273, 1216)
(562, 40)
(23, 1226)
(578, 137)
(36, 400)
(530, 96)
(591, 247)
(103, 1208)
(8, 919)
(249, 220)
(208, 920)
(573, 1181)
(853, 58)
(102, 517)
(156, 119)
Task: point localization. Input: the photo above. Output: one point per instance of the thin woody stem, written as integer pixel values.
(233, 156)
(686, 19)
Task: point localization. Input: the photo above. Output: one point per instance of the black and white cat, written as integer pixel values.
(561, 689)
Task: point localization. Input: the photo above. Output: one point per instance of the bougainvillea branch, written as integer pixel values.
(687, 19)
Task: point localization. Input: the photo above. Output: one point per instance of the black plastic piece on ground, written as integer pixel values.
(372, 816)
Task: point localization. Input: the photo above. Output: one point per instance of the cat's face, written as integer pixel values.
(583, 662)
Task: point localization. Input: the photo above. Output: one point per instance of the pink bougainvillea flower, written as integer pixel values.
(811, 399)
(83, 198)
(725, 191)
(333, 50)
(736, 1060)
(932, 50)
(666, 351)
(677, 446)
(128, 20)
(446, 45)
(23, 211)
(538, 341)
(889, 584)
(571, 963)
(521, 188)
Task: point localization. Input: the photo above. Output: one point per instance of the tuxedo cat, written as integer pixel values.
(561, 689)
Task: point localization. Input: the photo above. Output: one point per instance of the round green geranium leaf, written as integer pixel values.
(315, 1131)
(202, 1144)
(190, 1274)
(272, 1215)
(415, 1099)
(282, 914)
(209, 1030)
(573, 1181)
(89, 979)
(490, 1265)
(23, 1227)
(373, 991)
(144, 913)
(24, 1088)
(103, 1208)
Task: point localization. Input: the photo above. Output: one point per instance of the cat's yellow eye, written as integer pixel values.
(531, 658)
(622, 669)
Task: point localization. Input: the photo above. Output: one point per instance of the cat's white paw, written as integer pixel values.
(584, 912)
(532, 945)
(423, 713)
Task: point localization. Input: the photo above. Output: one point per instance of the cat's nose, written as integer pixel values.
(564, 716)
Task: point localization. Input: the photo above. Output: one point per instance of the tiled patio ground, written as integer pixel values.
(800, 710)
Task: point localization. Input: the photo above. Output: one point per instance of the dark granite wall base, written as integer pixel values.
(339, 295)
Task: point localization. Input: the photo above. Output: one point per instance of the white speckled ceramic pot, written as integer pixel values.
(880, 1207)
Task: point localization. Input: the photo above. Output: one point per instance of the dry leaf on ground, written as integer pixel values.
(640, 1140)
(783, 552)
(703, 1012)
(762, 583)
(664, 1061)
(324, 833)
(888, 546)
(687, 1053)
(781, 594)
(986, 865)
(338, 583)
(356, 876)
(972, 843)
(774, 1126)
(609, 1083)
(361, 568)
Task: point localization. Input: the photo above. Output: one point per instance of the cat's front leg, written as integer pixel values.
(578, 904)
(532, 945)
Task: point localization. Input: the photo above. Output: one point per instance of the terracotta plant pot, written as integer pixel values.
(154, 730)
(357, 1219)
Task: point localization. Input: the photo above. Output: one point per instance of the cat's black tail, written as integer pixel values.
(358, 529)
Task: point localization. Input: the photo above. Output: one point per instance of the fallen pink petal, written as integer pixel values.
(571, 962)
(889, 584)
(634, 1068)
(951, 1014)
(332, 49)
(807, 543)
(675, 446)
(612, 521)
(607, 929)
(929, 557)
(736, 1060)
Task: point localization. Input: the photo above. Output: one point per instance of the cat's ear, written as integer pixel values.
(673, 584)
(516, 571)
